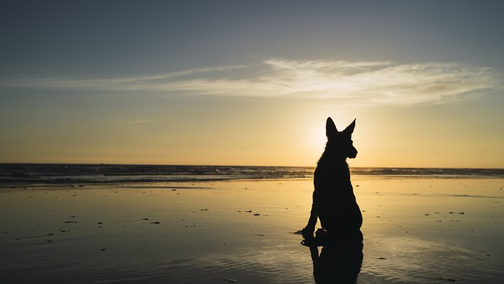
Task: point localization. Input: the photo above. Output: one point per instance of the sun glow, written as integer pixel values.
(317, 139)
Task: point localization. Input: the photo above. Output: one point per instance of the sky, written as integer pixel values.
(252, 82)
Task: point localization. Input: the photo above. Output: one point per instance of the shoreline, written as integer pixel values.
(24, 175)
(160, 184)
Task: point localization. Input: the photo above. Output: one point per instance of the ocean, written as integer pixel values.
(12, 175)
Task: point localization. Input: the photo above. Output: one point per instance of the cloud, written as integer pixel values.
(353, 83)
(378, 82)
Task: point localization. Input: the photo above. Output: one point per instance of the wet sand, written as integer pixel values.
(416, 230)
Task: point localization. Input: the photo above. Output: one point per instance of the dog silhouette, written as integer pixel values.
(334, 201)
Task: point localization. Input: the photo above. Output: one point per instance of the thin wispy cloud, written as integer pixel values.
(354, 83)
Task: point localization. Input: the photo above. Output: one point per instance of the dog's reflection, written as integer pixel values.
(339, 261)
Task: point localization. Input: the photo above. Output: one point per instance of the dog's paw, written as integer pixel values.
(307, 233)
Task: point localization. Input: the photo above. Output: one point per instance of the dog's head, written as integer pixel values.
(340, 144)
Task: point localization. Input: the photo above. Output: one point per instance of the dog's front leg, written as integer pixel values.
(310, 227)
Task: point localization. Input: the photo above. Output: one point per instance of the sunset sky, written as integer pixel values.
(252, 82)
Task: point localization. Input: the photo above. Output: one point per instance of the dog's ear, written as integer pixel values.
(330, 128)
(350, 128)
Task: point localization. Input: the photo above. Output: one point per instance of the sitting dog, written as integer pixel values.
(334, 202)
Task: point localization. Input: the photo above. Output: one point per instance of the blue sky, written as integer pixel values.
(251, 82)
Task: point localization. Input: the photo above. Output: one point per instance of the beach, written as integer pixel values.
(416, 230)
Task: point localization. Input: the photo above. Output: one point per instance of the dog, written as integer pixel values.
(334, 202)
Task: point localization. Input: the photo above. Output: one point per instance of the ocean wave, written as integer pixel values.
(40, 174)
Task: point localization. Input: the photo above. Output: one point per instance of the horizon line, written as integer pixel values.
(223, 165)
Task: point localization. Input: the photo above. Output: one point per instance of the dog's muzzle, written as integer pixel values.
(352, 154)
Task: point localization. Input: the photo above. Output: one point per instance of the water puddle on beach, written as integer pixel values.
(416, 231)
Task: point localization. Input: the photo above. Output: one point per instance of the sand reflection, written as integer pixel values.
(242, 231)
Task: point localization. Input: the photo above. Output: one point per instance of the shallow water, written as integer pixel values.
(416, 231)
